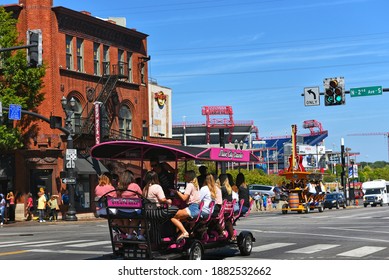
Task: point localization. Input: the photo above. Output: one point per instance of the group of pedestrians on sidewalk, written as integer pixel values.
(264, 202)
(7, 207)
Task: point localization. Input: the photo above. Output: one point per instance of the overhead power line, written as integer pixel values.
(273, 70)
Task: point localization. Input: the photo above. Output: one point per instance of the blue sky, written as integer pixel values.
(258, 55)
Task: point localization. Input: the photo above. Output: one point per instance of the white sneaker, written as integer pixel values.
(1, 223)
(40, 221)
(44, 221)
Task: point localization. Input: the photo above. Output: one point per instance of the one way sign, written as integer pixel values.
(312, 96)
(69, 180)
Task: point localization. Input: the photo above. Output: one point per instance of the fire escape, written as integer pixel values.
(107, 95)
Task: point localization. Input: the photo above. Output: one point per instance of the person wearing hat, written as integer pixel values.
(41, 206)
(203, 174)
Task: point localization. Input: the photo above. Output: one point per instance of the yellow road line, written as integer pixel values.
(13, 253)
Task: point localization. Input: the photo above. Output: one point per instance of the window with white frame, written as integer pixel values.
(106, 65)
(121, 62)
(80, 55)
(96, 59)
(69, 52)
(129, 63)
(125, 121)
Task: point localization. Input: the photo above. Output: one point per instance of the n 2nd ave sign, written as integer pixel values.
(366, 91)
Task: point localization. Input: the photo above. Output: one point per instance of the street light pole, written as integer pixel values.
(342, 181)
(69, 111)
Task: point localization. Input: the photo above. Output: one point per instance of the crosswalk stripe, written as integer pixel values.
(361, 252)
(70, 252)
(313, 249)
(270, 246)
(8, 242)
(58, 243)
(27, 243)
(87, 244)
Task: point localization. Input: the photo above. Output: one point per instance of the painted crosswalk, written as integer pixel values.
(362, 251)
(102, 247)
(313, 249)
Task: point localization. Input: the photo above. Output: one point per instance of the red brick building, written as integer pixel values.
(87, 59)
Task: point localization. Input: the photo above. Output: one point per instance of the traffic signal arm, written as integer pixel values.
(50, 121)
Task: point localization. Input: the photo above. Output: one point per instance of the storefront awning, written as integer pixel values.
(89, 166)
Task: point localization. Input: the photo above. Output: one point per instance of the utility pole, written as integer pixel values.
(342, 178)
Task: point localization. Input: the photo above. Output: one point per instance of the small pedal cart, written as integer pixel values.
(161, 241)
(300, 199)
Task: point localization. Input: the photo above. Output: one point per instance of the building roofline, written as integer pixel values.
(15, 8)
(99, 22)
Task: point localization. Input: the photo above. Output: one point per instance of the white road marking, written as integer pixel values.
(71, 252)
(356, 230)
(361, 252)
(313, 249)
(87, 244)
(27, 243)
(59, 243)
(270, 246)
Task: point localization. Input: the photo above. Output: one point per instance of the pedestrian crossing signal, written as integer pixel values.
(34, 51)
(334, 91)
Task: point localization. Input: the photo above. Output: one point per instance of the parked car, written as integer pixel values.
(263, 189)
(336, 200)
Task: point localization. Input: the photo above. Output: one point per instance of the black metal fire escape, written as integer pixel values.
(106, 94)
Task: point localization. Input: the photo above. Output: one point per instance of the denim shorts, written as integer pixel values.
(193, 210)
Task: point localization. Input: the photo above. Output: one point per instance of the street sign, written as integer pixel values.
(15, 112)
(69, 180)
(366, 91)
(311, 96)
(71, 156)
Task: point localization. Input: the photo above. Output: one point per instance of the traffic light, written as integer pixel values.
(55, 122)
(34, 51)
(334, 92)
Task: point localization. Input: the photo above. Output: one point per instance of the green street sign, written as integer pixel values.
(366, 91)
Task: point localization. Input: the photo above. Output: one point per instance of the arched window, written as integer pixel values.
(125, 122)
(76, 118)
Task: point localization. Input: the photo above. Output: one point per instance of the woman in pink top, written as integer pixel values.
(11, 209)
(192, 197)
(103, 188)
(127, 188)
(153, 190)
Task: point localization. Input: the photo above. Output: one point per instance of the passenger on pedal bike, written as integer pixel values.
(127, 188)
(243, 192)
(104, 187)
(192, 197)
(208, 194)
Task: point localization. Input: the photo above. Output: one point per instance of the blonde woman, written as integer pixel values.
(225, 187)
(192, 197)
(208, 194)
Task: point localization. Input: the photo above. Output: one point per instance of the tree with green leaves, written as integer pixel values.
(19, 84)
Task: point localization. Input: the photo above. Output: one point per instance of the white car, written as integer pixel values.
(263, 189)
